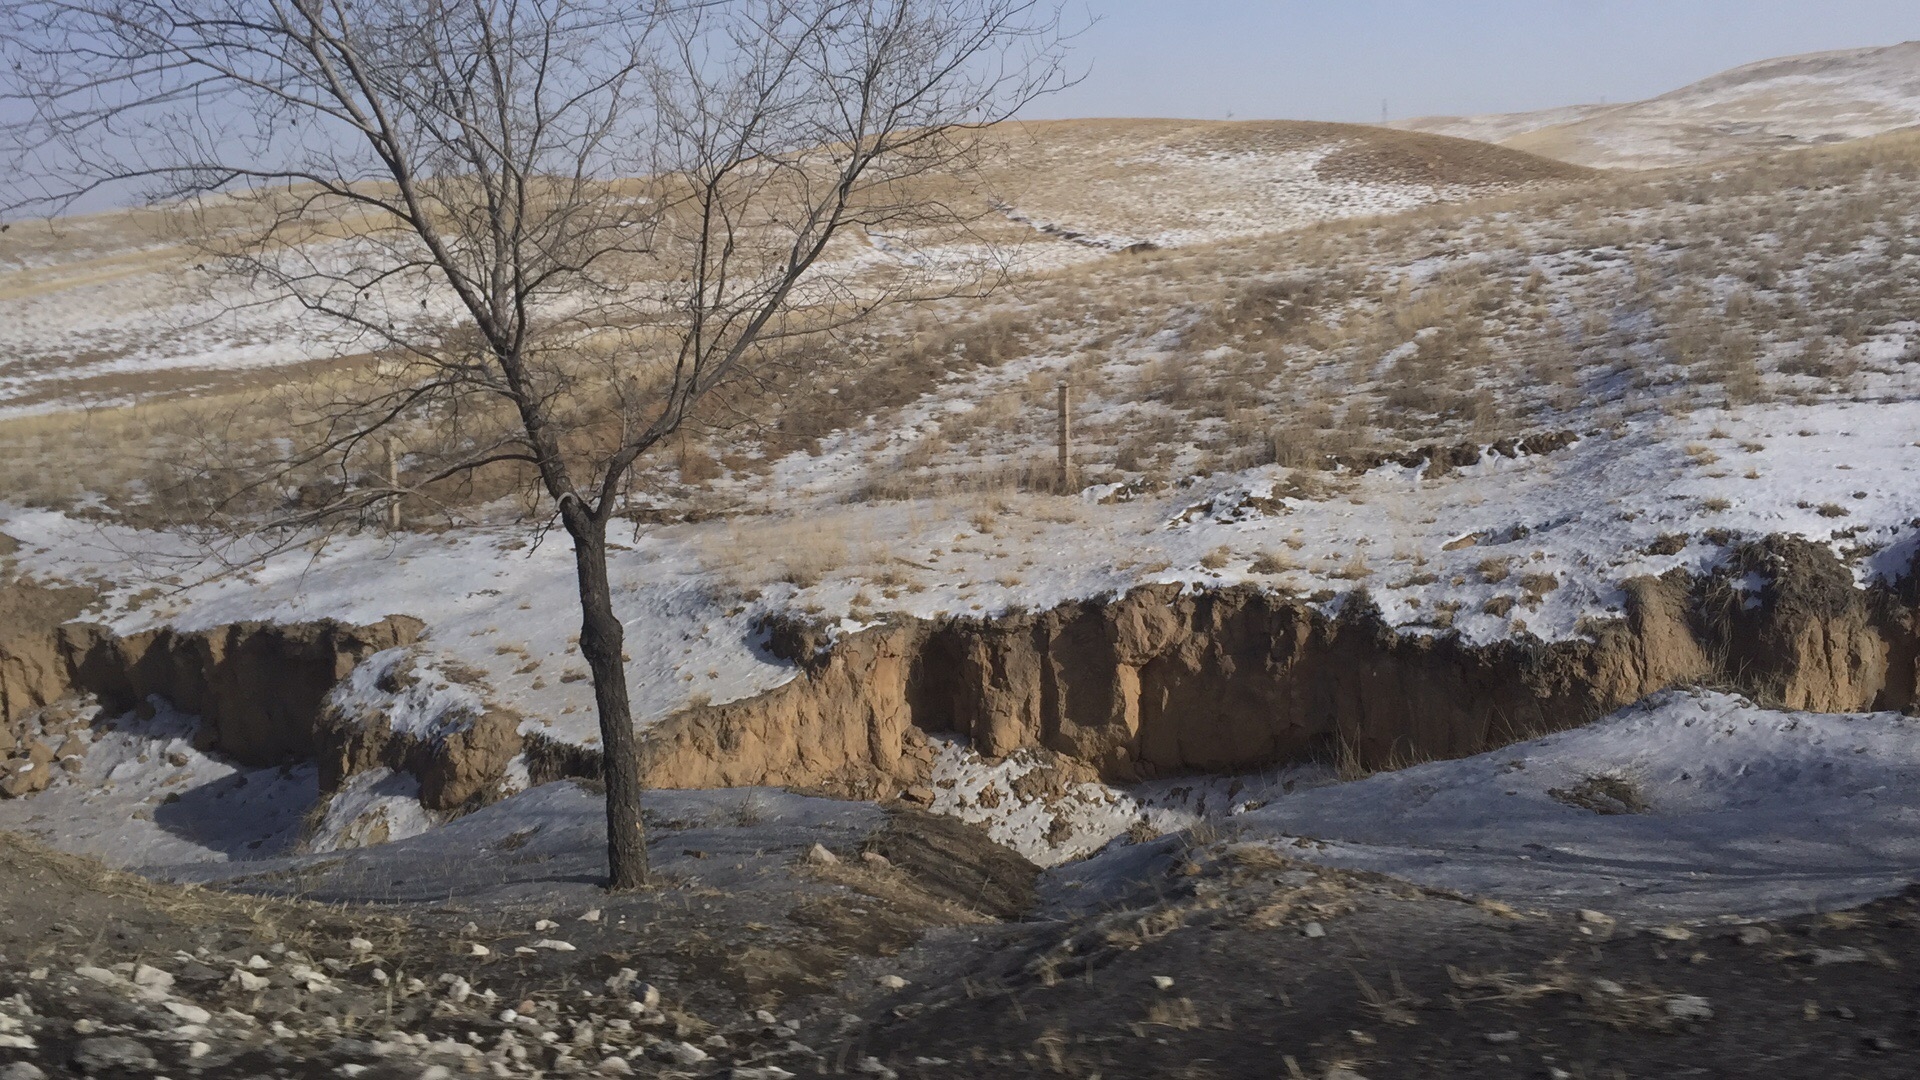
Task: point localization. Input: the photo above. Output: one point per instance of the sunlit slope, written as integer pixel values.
(1791, 101)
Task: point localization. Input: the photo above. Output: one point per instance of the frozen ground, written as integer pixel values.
(145, 799)
(1741, 811)
(1688, 806)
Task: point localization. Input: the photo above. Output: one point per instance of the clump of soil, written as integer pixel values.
(1603, 795)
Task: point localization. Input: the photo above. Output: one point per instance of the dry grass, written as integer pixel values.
(1534, 310)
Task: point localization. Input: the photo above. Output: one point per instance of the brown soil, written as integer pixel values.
(1399, 982)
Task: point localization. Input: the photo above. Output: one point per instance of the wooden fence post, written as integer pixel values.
(393, 485)
(1066, 442)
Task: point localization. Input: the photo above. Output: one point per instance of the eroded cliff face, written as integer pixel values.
(258, 687)
(1156, 682)
(1163, 681)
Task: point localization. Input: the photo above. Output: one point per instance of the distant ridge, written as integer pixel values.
(1790, 101)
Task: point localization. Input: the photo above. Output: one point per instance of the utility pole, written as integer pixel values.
(1066, 442)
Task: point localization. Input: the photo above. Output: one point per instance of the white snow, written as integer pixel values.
(1749, 811)
(374, 807)
(405, 688)
(144, 797)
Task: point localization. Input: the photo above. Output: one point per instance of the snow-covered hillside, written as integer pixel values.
(1775, 104)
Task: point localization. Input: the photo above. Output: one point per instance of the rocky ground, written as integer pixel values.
(907, 946)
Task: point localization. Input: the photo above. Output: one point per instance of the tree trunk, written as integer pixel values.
(601, 642)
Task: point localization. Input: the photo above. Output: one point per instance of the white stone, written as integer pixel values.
(152, 978)
(1163, 982)
(683, 1053)
(820, 856)
(1314, 930)
(360, 945)
(459, 989)
(553, 945)
(1689, 1007)
(258, 962)
(478, 949)
(192, 1014)
(199, 1049)
(891, 982)
(591, 916)
(546, 924)
(621, 981)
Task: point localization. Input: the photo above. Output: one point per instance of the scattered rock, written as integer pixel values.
(553, 945)
(102, 1053)
(818, 855)
(1501, 1038)
(1846, 954)
(682, 1053)
(1314, 930)
(1672, 933)
(875, 859)
(248, 981)
(22, 1070)
(1752, 935)
(891, 982)
(545, 924)
(760, 1072)
(592, 915)
(360, 945)
(1163, 982)
(1595, 918)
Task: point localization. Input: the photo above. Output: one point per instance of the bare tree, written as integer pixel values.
(559, 224)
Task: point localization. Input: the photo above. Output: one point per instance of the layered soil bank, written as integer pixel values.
(1164, 680)
(258, 687)
(1155, 682)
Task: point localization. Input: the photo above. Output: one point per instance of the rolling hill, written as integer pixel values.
(1790, 101)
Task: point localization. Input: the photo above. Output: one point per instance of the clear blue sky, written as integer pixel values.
(1337, 59)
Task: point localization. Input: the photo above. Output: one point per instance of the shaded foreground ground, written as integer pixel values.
(918, 950)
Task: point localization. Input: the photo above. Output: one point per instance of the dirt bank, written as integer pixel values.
(1164, 680)
(1156, 682)
(258, 687)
